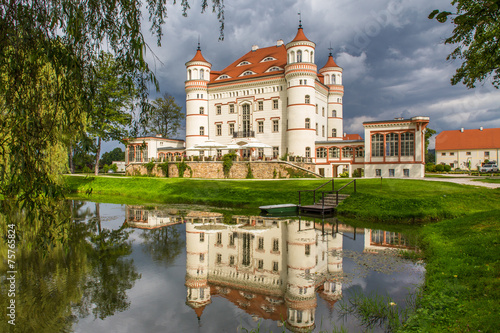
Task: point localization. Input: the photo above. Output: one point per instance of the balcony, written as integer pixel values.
(244, 134)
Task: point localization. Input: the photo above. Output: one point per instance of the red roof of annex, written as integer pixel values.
(468, 139)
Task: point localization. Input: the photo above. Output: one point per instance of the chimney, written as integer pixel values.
(158, 135)
(279, 42)
(399, 118)
(481, 128)
(255, 48)
(462, 130)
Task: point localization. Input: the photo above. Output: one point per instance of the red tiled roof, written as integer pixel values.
(256, 66)
(468, 139)
(352, 137)
(300, 36)
(330, 62)
(198, 56)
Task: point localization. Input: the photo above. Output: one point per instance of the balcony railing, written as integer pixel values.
(244, 134)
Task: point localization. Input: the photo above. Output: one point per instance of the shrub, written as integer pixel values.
(447, 168)
(344, 174)
(105, 168)
(86, 169)
(227, 163)
(439, 168)
(182, 166)
(430, 167)
(150, 166)
(114, 167)
(249, 173)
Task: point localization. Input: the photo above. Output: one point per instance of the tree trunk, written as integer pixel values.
(97, 156)
(70, 158)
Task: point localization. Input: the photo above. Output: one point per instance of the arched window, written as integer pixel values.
(377, 145)
(202, 74)
(308, 123)
(360, 152)
(321, 153)
(307, 99)
(333, 79)
(306, 56)
(195, 73)
(334, 132)
(202, 130)
(334, 113)
(334, 152)
(299, 56)
(327, 79)
(189, 74)
(347, 152)
(308, 151)
(312, 56)
(292, 57)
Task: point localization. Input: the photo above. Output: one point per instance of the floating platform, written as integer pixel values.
(318, 209)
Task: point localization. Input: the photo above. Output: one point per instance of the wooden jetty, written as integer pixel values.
(327, 202)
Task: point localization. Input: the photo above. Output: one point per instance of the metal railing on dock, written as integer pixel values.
(321, 205)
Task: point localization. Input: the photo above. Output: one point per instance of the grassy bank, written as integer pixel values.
(407, 201)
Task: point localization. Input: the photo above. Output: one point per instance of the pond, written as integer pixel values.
(190, 269)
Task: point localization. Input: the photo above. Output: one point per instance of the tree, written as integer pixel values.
(477, 33)
(164, 117)
(111, 103)
(116, 154)
(47, 50)
(428, 134)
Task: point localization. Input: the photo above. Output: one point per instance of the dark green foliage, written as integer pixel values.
(476, 32)
(164, 167)
(430, 167)
(182, 166)
(275, 174)
(116, 154)
(439, 168)
(150, 166)
(227, 163)
(447, 168)
(249, 172)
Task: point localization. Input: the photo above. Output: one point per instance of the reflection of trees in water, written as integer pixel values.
(163, 244)
(82, 268)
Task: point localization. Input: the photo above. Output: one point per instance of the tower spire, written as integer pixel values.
(199, 48)
(330, 49)
(300, 20)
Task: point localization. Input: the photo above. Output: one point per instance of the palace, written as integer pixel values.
(275, 99)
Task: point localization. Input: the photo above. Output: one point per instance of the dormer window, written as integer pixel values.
(247, 73)
(274, 69)
(268, 59)
(244, 62)
(223, 76)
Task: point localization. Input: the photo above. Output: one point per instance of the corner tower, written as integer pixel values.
(301, 74)
(196, 86)
(333, 79)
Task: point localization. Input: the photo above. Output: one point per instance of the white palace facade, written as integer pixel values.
(276, 96)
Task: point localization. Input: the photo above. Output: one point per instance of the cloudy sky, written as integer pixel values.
(393, 56)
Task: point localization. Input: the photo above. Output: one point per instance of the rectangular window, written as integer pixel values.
(316, 128)
(391, 172)
(275, 104)
(323, 130)
(468, 153)
(406, 172)
(407, 144)
(219, 258)
(260, 126)
(275, 126)
(321, 153)
(219, 109)
(453, 154)
(261, 243)
(323, 112)
(261, 152)
(443, 154)
(275, 245)
(392, 144)
(275, 266)
(202, 237)
(276, 152)
(260, 105)
(231, 239)
(231, 129)
(202, 257)
(231, 261)
(219, 238)
(378, 172)
(308, 249)
(231, 108)
(261, 264)
(487, 154)
(218, 129)
(377, 145)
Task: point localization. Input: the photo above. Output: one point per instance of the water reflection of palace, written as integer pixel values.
(272, 268)
(269, 267)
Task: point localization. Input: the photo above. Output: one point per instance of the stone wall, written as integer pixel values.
(239, 170)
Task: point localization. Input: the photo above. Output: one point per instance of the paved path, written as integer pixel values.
(474, 181)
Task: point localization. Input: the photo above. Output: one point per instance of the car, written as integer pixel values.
(489, 168)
